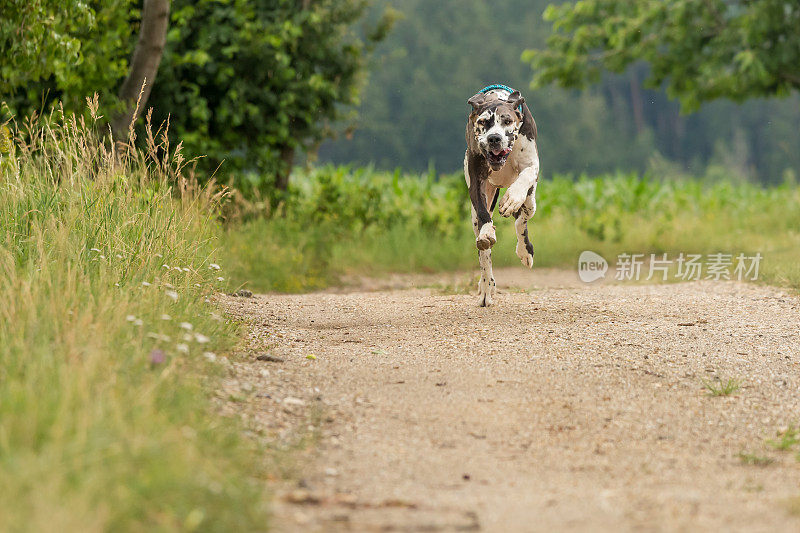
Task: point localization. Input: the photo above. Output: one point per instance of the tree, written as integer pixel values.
(252, 82)
(700, 50)
(33, 39)
(67, 50)
(63, 50)
(135, 90)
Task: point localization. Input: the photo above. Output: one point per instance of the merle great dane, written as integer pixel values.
(501, 152)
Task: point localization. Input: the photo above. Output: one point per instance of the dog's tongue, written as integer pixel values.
(500, 152)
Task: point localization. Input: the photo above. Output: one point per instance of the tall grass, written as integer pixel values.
(360, 221)
(108, 331)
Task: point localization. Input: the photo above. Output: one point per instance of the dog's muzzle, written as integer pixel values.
(497, 157)
(496, 154)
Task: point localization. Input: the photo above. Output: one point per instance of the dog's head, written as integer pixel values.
(495, 124)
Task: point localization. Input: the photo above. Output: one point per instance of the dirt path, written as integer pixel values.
(564, 408)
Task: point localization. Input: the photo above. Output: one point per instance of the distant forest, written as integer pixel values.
(413, 108)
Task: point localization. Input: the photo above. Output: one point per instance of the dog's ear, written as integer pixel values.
(516, 99)
(477, 101)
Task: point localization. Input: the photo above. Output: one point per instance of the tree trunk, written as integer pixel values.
(287, 158)
(637, 103)
(144, 65)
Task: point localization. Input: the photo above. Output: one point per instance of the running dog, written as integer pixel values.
(501, 152)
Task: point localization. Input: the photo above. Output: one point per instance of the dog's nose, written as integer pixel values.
(494, 139)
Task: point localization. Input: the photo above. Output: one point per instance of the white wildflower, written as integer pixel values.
(119, 256)
(210, 356)
(95, 250)
(214, 266)
(220, 278)
(146, 284)
(186, 326)
(188, 338)
(165, 316)
(165, 266)
(183, 348)
(172, 294)
(186, 270)
(138, 322)
(202, 339)
(158, 336)
(130, 318)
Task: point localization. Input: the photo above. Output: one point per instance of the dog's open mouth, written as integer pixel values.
(497, 157)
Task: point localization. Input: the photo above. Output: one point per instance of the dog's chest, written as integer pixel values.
(505, 176)
(521, 157)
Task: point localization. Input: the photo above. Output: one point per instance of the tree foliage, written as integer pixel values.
(699, 50)
(63, 50)
(251, 82)
(413, 109)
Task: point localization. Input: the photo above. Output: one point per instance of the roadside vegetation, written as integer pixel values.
(110, 342)
(340, 221)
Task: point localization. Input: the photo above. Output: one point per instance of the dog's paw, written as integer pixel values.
(486, 238)
(485, 300)
(486, 296)
(524, 255)
(512, 200)
(487, 290)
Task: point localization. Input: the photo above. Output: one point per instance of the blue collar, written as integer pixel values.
(499, 87)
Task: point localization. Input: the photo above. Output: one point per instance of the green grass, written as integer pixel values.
(722, 388)
(755, 460)
(107, 334)
(787, 439)
(342, 221)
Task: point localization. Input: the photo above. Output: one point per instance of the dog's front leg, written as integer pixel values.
(522, 188)
(483, 228)
(478, 173)
(524, 246)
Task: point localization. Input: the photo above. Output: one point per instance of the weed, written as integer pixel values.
(755, 460)
(787, 439)
(722, 388)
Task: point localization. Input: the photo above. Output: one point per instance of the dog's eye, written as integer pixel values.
(507, 122)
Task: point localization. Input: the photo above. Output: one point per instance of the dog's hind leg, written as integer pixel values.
(524, 247)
